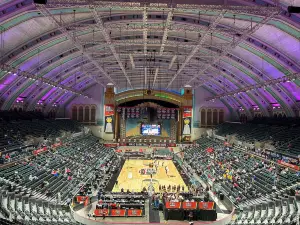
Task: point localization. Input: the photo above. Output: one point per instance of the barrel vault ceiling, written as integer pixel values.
(246, 53)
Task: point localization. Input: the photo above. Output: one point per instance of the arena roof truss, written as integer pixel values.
(241, 53)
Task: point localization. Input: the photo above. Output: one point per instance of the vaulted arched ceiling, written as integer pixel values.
(225, 49)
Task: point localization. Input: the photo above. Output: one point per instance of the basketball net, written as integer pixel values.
(150, 188)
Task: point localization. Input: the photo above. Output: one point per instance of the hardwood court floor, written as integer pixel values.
(130, 177)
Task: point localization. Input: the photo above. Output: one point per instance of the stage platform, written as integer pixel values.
(131, 178)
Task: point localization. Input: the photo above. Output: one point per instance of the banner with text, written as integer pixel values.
(109, 118)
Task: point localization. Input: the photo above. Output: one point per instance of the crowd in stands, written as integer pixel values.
(34, 190)
(20, 130)
(284, 137)
(245, 179)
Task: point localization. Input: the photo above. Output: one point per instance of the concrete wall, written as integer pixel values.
(97, 92)
(197, 132)
(200, 96)
(98, 131)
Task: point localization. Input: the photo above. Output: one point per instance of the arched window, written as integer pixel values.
(275, 115)
(93, 114)
(221, 116)
(203, 117)
(209, 116)
(74, 113)
(279, 116)
(80, 114)
(215, 117)
(87, 114)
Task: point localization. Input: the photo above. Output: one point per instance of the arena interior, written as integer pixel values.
(149, 112)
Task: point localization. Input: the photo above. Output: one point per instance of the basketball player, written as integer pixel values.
(167, 170)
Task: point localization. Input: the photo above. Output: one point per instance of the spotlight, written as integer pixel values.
(293, 9)
(42, 2)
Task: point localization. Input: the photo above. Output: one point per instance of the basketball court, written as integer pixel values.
(135, 175)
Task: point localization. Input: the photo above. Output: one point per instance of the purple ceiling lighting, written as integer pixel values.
(280, 55)
(44, 80)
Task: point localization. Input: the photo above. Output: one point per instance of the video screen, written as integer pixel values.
(150, 129)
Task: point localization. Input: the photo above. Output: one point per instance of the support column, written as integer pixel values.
(116, 125)
(179, 128)
(186, 115)
(109, 113)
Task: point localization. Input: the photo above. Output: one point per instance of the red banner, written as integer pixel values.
(187, 111)
(86, 202)
(36, 152)
(206, 205)
(135, 212)
(288, 165)
(109, 110)
(117, 212)
(118, 150)
(100, 212)
(209, 150)
(173, 205)
(189, 205)
(172, 145)
(56, 145)
(111, 145)
(81, 198)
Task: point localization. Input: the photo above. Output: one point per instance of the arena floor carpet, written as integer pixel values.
(131, 176)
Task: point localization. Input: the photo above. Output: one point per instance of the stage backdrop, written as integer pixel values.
(133, 127)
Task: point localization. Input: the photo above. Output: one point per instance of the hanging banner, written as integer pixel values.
(173, 205)
(117, 212)
(295, 167)
(36, 152)
(87, 201)
(206, 205)
(135, 212)
(187, 120)
(189, 205)
(109, 118)
(100, 212)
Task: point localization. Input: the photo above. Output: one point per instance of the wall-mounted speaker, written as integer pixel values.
(42, 2)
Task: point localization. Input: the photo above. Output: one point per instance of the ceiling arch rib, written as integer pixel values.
(238, 102)
(50, 99)
(108, 40)
(258, 81)
(64, 31)
(267, 71)
(61, 99)
(71, 67)
(259, 74)
(78, 80)
(47, 93)
(249, 105)
(19, 90)
(235, 43)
